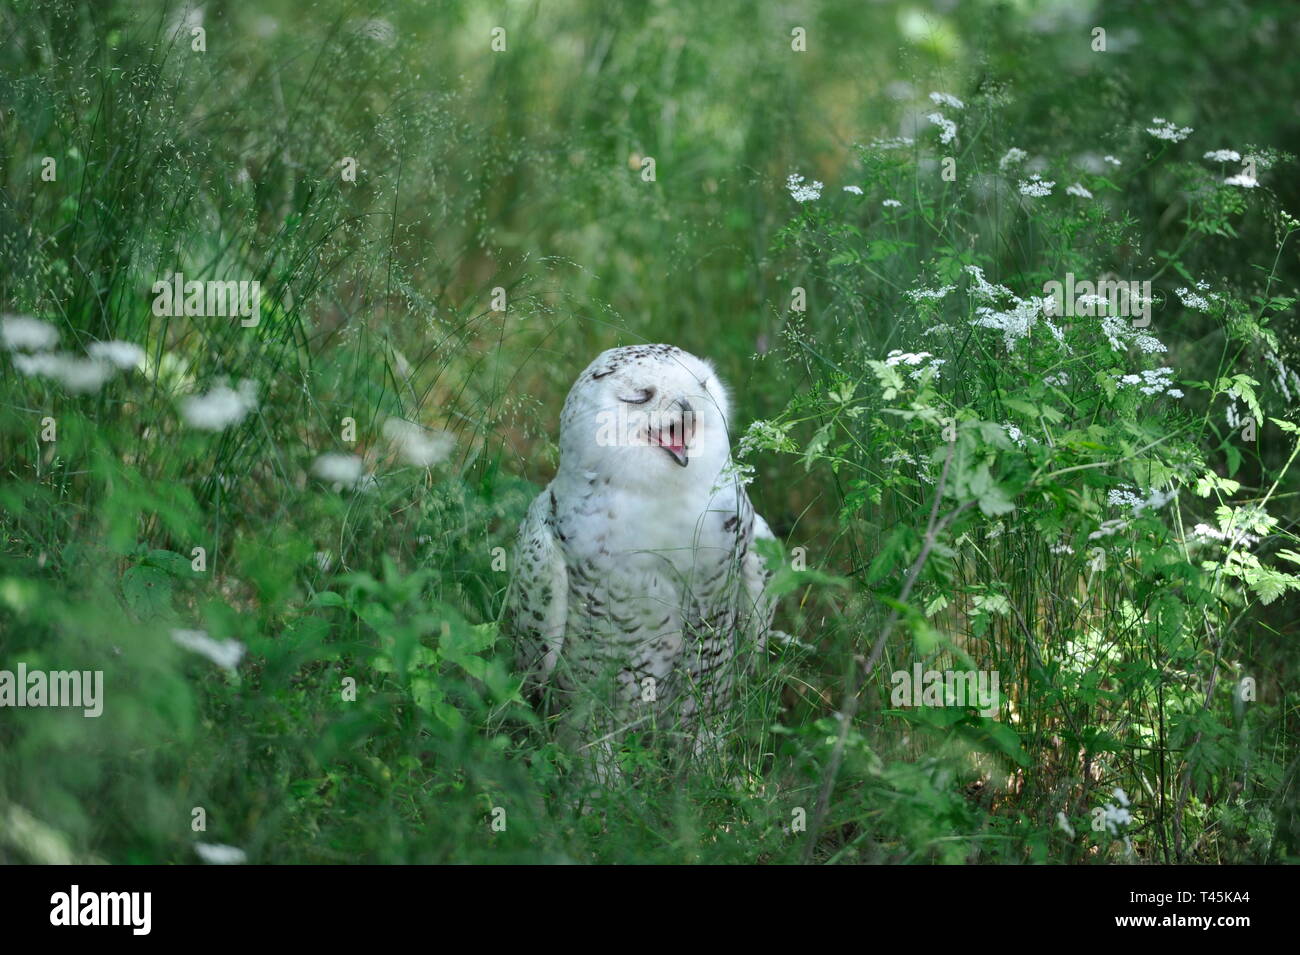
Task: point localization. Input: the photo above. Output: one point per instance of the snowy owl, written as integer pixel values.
(637, 596)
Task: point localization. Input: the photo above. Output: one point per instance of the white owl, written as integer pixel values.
(637, 597)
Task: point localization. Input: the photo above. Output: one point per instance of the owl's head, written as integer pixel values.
(646, 414)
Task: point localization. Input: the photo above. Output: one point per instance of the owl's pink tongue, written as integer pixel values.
(671, 441)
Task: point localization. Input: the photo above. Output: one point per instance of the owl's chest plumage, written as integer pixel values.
(650, 581)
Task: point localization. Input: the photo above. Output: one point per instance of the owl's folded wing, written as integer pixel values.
(537, 603)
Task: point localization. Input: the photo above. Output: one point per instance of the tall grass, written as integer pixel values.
(520, 171)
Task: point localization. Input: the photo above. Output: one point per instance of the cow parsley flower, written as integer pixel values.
(1111, 159)
(345, 469)
(982, 289)
(1014, 433)
(1059, 380)
(1128, 496)
(856, 190)
(124, 355)
(801, 191)
(1192, 300)
(891, 204)
(219, 408)
(216, 854)
(1013, 157)
(1078, 190)
(944, 99)
(1036, 186)
(897, 142)
(947, 128)
(1244, 179)
(24, 333)
(928, 294)
(418, 447)
(1153, 381)
(1161, 128)
(1224, 155)
(78, 375)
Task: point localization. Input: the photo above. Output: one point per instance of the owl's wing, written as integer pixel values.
(537, 604)
(754, 576)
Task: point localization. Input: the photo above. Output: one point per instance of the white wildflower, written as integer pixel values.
(1061, 548)
(417, 446)
(981, 288)
(124, 355)
(898, 142)
(1064, 824)
(221, 407)
(224, 653)
(1014, 433)
(1224, 155)
(947, 128)
(1015, 323)
(217, 854)
(1078, 190)
(944, 99)
(24, 333)
(891, 204)
(78, 375)
(928, 294)
(1111, 159)
(1059, 380)
(1245, 180)
(856, 190)
(1193, 300)
(1161, 128)
(345, 469)
(1107, 528)
(801, 192)
(1036, 186)
(1153, 381)
(1013, 156)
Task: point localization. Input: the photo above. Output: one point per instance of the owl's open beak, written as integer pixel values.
(675, 439)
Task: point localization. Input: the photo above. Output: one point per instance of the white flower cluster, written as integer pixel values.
(900, 357)
(1121, 335)
(1115, 816)
(891, 204)
(1036, 186)
(897, 142)
(1244, 179)
(1017, 322)
(1193, 299)
(1153, 381)
(1286, 378)
(1161, 128)
(1078, 190)
(947, 128)
(801, 191)
(342, 470)
(23, 333)
(221, 407)
(1061, 548)
(1127, 496)
(29, 338)
(1107, 528)
(1111, 159)
(1013, 157)
(946, 99)
(928, 294)
(1224, 155)
(855, 190)
(1059, 380)
(1014, 433)
(416, 445)
(1205, 533)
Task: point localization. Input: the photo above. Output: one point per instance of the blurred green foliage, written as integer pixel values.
(522, 169)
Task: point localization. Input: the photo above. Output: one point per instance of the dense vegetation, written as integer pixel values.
(450, 208)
